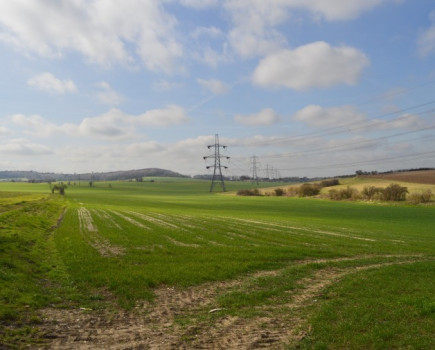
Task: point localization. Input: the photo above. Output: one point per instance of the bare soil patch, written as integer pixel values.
(156, 325)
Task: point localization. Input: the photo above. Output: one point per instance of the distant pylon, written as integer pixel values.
(254, 163)
(217, 171)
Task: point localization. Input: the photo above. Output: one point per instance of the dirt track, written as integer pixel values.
(155, 326)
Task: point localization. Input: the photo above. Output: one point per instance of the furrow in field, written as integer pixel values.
(90, 233)
(212, 242)
(102, 214)
(181, 244)
(246, 239)
(156, 221)
(86, 221)
(130, 220)
(309, 230)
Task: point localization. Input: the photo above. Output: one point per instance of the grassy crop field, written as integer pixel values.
(165, 264)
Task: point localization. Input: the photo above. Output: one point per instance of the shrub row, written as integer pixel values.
(393, 192)
(308, 190)
(253, 192)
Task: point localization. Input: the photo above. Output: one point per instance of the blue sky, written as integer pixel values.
(308, 87)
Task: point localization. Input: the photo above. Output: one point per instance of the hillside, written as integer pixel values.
(102, 176)
(421, 176)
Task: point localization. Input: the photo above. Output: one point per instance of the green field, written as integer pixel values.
(274, 271)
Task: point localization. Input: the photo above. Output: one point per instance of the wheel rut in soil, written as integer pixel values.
(159, 325)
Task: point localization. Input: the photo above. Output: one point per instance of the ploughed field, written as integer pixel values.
(422, 177)
(167, 265)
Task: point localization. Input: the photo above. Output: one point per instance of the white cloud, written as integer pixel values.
(426, 41)
(171, 115)
(102, 31)
(336, 10)
(318, 116)
(108, 96)
(114, 124)
(4, 131)
(313, 65)
(36, 125)
(199, 4)
(211, 32)
(266, 116)
(353, 120)
(48, 82)
(404, 121)
(254, 21)
(215, 86)
(23, 147)
(165, 85)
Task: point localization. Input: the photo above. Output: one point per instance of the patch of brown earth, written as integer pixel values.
(158, 325)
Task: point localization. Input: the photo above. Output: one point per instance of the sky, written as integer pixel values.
(292, 87)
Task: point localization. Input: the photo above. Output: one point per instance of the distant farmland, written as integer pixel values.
(422, 177)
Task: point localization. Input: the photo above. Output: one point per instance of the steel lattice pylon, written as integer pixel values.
(217, 167)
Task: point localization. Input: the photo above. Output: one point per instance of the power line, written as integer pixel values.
(377, 160)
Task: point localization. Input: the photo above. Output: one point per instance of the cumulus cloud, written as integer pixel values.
(350, 117)
(336, 10)
(266, 116)
(171, 115)
(316, 64)
(199, 4)
(426, 41)
(208, 32)
(4, 131)
(107, 95)
(253, 31)
(318, 116)
(114, 124)
(117, 124)
(23, 147)
(36, 125)
(217, 87)
(48, 82)
(102, 31)
(165, 85)
(255, 22)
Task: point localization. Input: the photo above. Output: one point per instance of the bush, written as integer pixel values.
(394, 192)
(345, 193)
(372, 192)
(423, 197)
(329, 183)
(254, 192)
(292, 191)
(307, 190)
(279, 192)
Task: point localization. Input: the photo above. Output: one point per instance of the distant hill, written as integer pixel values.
(102, 176)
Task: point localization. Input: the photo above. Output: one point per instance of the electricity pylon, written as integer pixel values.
(254, 163)
(217, 171)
